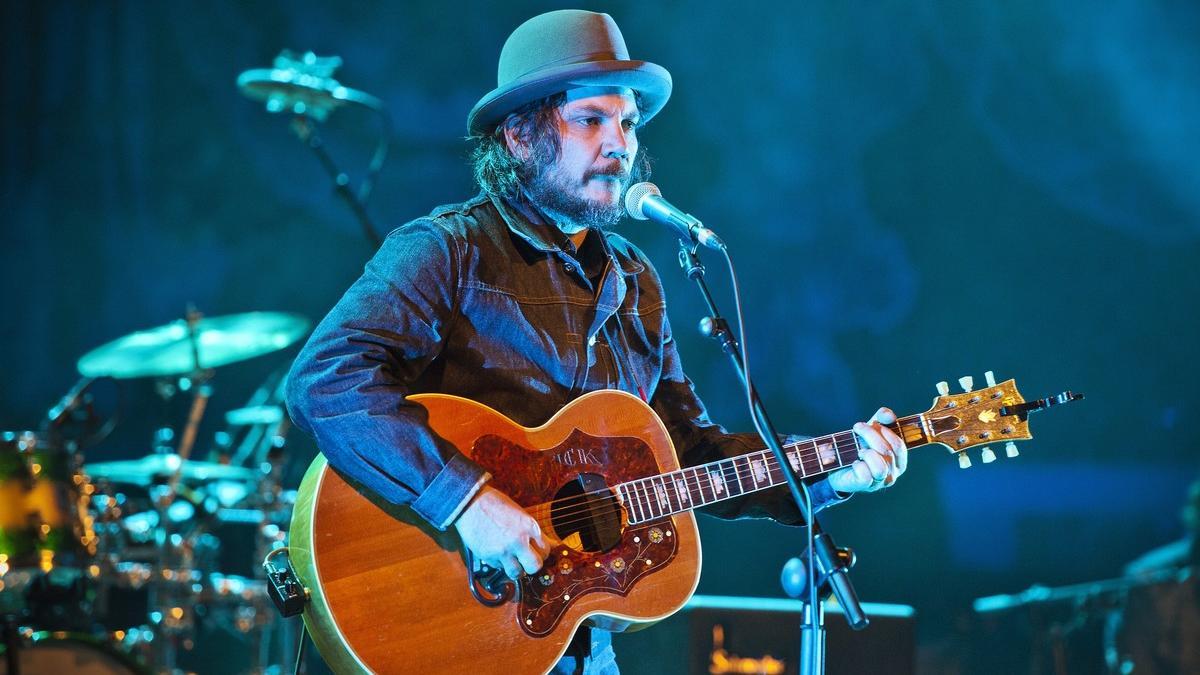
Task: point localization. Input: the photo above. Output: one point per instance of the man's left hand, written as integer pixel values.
(880, 463)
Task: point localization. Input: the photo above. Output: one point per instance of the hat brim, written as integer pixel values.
(651, 81)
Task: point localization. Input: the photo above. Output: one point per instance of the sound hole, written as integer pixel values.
(585, 514)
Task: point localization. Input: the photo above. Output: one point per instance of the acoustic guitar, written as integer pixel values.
(388, 593)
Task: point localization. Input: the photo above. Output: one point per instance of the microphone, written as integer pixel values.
(644, 201)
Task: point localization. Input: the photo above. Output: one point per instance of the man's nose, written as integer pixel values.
(616, 143)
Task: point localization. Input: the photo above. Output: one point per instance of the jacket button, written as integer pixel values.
(569, 267)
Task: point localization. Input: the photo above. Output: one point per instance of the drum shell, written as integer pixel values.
(58, 653)
(44, 520)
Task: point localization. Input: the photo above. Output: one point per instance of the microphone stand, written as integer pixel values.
(821, 554)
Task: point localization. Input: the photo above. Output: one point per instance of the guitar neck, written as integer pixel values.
(686, 489)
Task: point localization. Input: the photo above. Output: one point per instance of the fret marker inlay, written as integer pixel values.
(681, 490)
(794, 460)
(718, 482)
(827, 454)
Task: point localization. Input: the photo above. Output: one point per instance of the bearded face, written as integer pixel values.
(583, 184)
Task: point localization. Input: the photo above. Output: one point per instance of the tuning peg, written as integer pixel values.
(990, 378)
(943, 388)
(1010, 449)
(964, 461)
(988, 456)
(966, 382)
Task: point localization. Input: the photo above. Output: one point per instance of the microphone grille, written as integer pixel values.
(634, 196)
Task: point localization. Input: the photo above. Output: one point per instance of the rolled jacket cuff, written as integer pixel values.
(448, 493)
(823, 494)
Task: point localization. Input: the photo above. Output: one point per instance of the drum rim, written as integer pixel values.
(107, 646)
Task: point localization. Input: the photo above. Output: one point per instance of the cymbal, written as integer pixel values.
(153, 468)
(303, 85)
(167, 350)
(255, 414)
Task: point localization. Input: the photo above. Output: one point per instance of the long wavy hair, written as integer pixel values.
(500, 173)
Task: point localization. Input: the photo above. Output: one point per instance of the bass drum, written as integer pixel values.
(47, 653)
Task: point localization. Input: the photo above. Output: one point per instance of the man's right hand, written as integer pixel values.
(501, 534)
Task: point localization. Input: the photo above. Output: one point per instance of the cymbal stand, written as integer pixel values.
(272, 643)
(304, 128)
(171, 616)
(272, 533)
(12, 643)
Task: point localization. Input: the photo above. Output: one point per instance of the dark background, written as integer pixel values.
(914, 191)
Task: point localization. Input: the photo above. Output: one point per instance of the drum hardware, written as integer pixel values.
(47, 542)
(156, 469)
(75, 553)
(304, 86)
(191, 586)
(254, 415)
(32, 652)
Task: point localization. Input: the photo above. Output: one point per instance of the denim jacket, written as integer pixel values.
(478, 301)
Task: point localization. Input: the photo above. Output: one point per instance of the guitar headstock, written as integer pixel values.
(996, 413)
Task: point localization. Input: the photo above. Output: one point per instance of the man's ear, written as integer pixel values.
(516, 146)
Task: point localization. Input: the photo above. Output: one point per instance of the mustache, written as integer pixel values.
(613, 171)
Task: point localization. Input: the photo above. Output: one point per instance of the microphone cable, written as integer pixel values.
(748, 388)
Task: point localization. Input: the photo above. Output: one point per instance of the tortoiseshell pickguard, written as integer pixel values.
(533, 477)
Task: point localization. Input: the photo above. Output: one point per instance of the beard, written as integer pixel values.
(558, 195)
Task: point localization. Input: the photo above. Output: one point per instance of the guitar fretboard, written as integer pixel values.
(678, 491)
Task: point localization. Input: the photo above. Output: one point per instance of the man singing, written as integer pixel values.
(523, 298)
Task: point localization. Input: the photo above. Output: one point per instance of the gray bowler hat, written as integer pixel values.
(560, 50)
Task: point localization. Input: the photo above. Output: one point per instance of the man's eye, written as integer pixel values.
(590, 121)
(630, 125)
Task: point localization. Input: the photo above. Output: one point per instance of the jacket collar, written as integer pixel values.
(527, 222)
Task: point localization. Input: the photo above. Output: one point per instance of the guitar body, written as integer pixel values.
(389, 593)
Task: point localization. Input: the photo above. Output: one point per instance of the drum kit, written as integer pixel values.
(126, 566)
(123, 566)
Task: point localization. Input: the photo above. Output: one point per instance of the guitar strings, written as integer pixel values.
(650, 502)
(641, 493)
(577, 504)
(804, 455)
(647, 500)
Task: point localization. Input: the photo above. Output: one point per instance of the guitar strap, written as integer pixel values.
(622, 354)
